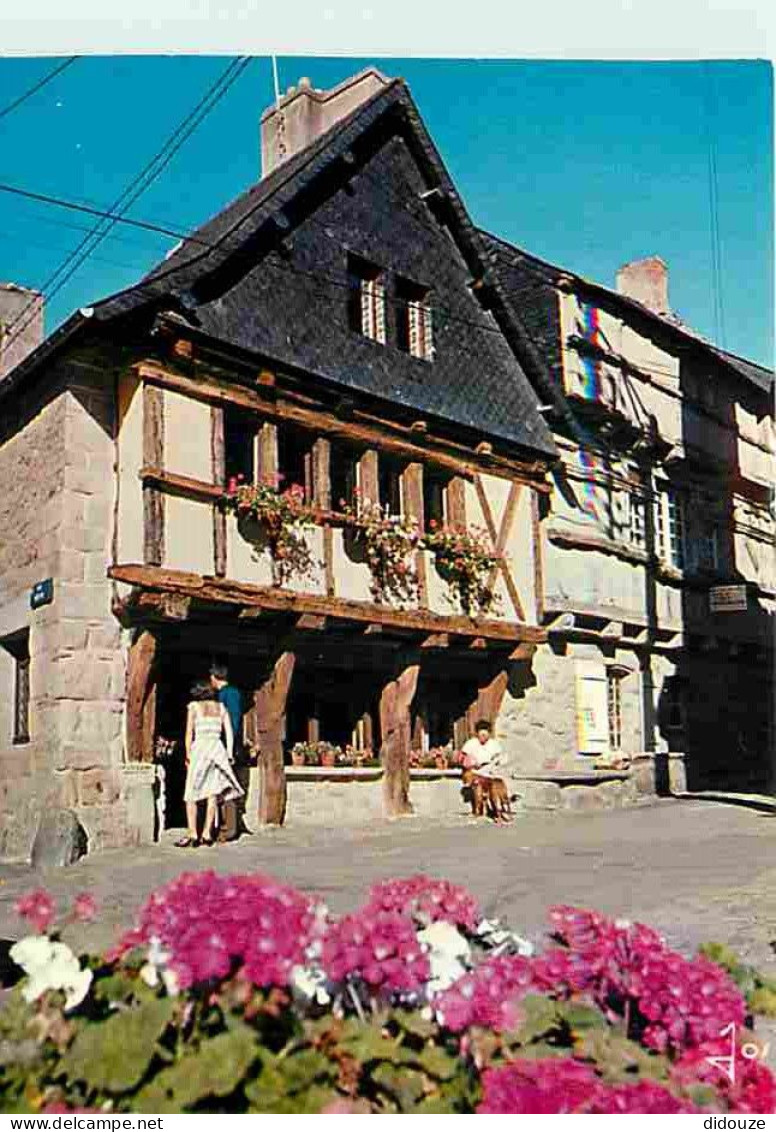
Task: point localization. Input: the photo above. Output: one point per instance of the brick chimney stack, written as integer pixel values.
(305, 113)
(646, 281)
(21, 324)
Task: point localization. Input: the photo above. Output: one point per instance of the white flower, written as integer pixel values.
(448, 954)
(502, 940)
(310, 984)
(155, 968)
(51, 966)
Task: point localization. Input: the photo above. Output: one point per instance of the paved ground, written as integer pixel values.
(695, 869)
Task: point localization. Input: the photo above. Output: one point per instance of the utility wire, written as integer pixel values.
(38, 86)
(316, 277)
(132, 192)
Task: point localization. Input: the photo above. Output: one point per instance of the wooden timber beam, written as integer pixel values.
(524, 651)
(270, 712)
(244, 596)
(396, 731)
(361, 427)
(436, 641)
(139, 737)
(311, 621)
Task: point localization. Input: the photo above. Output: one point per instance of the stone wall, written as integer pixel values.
(57, 521)
(32, 473)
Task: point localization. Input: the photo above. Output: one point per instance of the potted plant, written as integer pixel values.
(299, 754)
(328, 754)
(465, 561)
(390, 542)
(282, 516)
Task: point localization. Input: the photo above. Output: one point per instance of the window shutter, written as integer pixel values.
(592, 707)
(413, 312)
(379, 311)
(428, 334)
(366, 307)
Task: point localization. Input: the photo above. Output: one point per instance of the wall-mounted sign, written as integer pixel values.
(42, 593)
(728, 599)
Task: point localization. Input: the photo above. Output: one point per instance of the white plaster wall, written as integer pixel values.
(312, 581)
(351, 579)
(130, 459)
(187, 433)
(245, 562)
(188, 535)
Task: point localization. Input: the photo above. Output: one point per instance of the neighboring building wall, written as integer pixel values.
(32, 474)
(57, 473)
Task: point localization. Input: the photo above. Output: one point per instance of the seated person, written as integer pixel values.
(482, 753)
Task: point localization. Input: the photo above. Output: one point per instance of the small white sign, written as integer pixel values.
(727, 599)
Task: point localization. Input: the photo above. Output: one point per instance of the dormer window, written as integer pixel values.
(367, 299)
(414, 331)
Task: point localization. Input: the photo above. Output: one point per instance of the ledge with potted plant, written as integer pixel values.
(390, 542)
(465, 561)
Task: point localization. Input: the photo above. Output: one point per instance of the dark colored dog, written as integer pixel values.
(488, 795)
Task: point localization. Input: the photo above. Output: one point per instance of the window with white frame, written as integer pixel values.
(614, 678)
(637, 522)
(367, 299)
(706, 545)
(669, 527)
(414, 327)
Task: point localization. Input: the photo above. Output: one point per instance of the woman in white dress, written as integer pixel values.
(209, 753)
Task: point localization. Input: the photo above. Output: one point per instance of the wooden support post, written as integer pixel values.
(490, 697)
(413, 505)
(538, 553)
(267, 450)
(153, 457)
(321, 477)
(218, 456)
(270, 708)
(395, 702)
(368, 731)
(368, 482)
(314, 727)
(456, 502)
(140, 700)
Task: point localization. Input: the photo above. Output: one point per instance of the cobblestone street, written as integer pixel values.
(695, 869)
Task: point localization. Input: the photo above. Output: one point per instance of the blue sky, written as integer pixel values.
(585, 164)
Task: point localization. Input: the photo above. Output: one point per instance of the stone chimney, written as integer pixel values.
(21, 324)
(305, 113)
(646, 281)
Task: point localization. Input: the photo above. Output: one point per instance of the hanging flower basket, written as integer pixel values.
(390, 542)
(282, 517)
(465, 561)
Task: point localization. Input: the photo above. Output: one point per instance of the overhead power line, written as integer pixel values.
(38, 86)
(131, 193)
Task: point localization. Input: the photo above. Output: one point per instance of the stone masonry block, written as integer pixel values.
(582, 798)
(98, 787)
(89, 602)
(539, 795)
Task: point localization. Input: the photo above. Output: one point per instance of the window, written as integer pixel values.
(367, 299)
(434, 498)
(19, 648)
(614, 680)
(671, 705)
(414, 331)
(637, 527)
(295, 462)
(669, 527)
(390, 484)
(239, 443)
(343, 476)
(705, 549)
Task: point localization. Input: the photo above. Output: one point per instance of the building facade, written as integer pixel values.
(344, 327)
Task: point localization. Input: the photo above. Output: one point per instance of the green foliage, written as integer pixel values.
(215, 1069)
(758, 989)
(113, 1056)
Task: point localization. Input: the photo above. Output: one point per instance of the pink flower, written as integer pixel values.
(84, 907)
(213, 926)
(38, 908)
(550, 1085)
(752, 1090)
(488, 996)
(379, 948)
(427, 900)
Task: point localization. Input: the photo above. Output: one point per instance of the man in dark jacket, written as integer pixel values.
(230, 697)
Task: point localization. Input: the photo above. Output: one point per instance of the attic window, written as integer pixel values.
(367, 299)
(414, 332)
(239, 444)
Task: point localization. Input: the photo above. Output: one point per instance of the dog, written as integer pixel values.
(488, 795)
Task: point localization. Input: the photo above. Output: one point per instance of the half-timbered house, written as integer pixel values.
(339, 326)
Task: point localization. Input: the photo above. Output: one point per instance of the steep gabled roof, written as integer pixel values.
(533, 283)
(248, 225)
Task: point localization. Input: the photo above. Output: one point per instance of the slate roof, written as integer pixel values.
(506, 409)
(533, 283)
